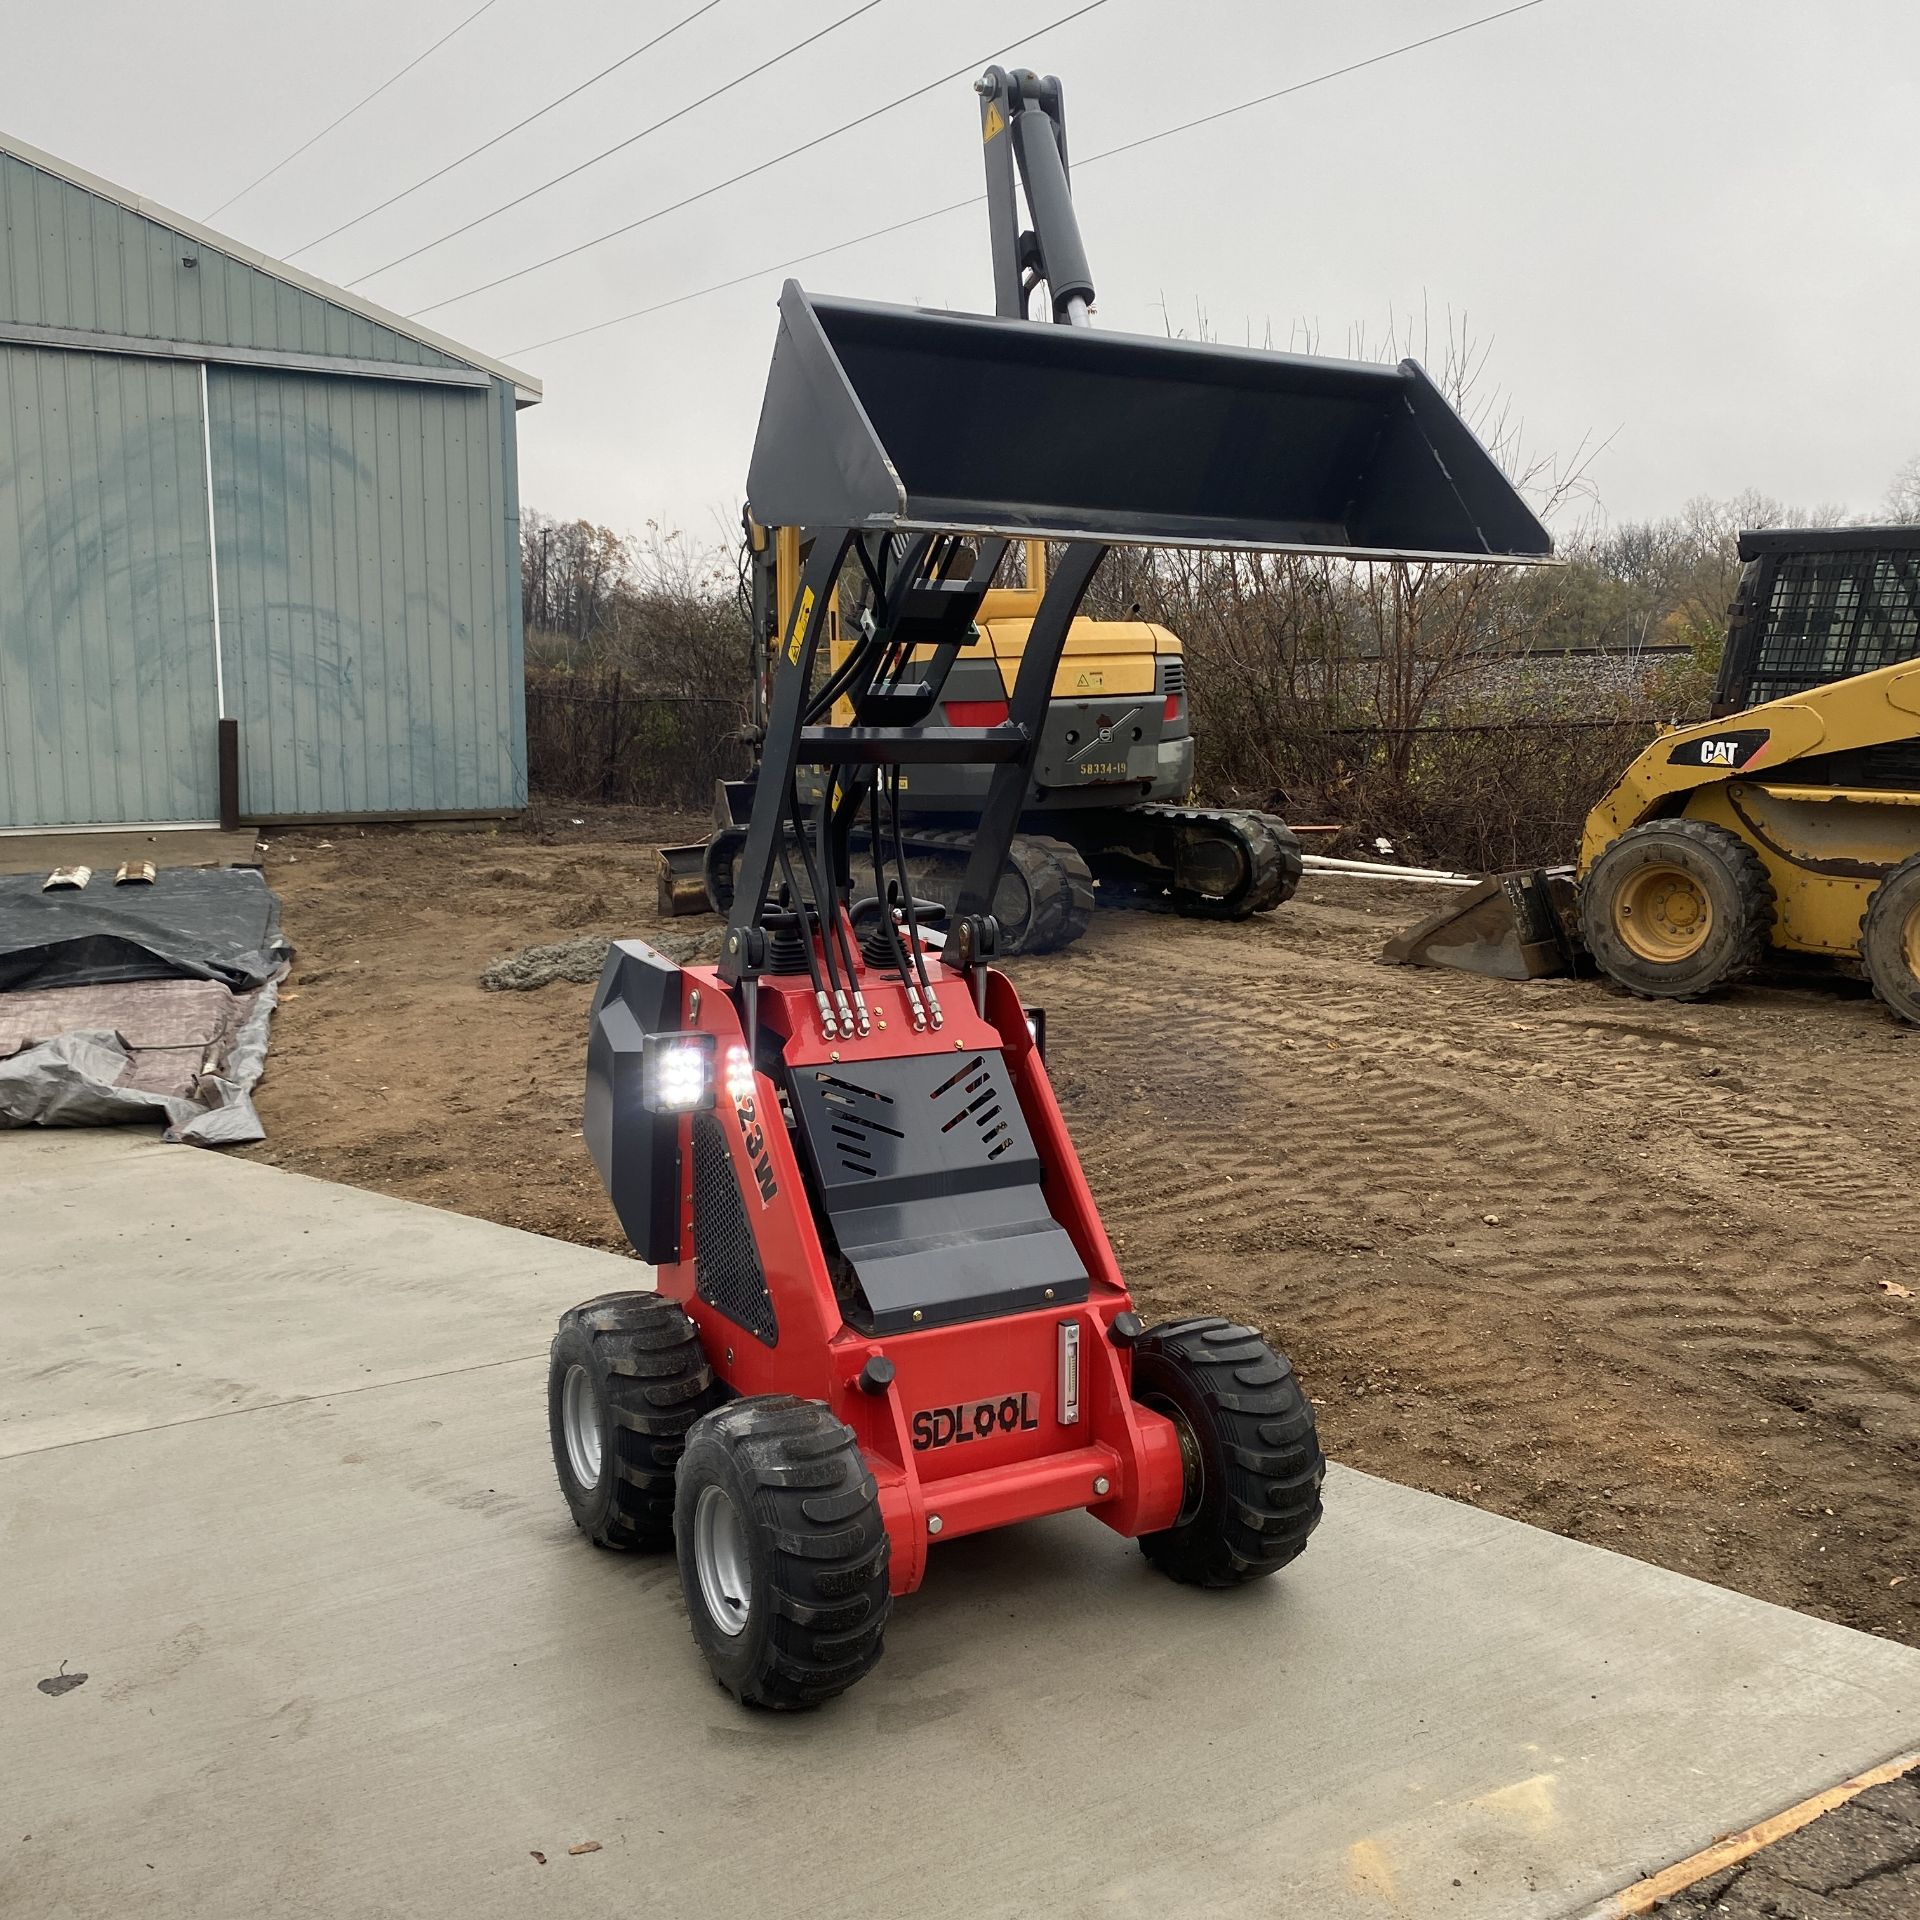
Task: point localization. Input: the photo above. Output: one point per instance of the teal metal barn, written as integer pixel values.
(237, 501)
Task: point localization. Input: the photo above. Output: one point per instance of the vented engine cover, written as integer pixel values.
(930, 1179)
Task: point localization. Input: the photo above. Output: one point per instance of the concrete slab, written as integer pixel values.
(345, 1655)
(160, 1284)
(103, 849)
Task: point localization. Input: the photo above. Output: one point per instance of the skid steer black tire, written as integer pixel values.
(793, 1609)
(1253, 1460)
(641, 1383)
(1724, 873)
(1890, 941)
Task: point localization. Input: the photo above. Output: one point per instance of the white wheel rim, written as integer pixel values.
(580, 1425)
(720, 1559)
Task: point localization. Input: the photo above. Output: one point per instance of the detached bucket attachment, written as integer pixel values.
(683, 880)
(884, 418)
(1513, 926)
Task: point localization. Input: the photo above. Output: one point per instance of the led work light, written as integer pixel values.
(676, 1073)
(739, 1074)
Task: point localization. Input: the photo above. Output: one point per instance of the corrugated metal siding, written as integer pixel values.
(369, 545)
(107, 709)
(69, 258)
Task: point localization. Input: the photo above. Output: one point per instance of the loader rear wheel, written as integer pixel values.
(1890, 940)
(1247, 1439)
(625, 1381)
(783, 1554)
(1675, 908)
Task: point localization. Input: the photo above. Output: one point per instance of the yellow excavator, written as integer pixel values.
(1787, 824)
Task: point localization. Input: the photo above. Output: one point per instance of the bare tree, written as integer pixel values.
(1902, 505)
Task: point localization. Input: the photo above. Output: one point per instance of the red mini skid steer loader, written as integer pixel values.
(887, 1312)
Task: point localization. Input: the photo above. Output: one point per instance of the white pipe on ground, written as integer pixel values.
(1395, 873)
(1385, 870)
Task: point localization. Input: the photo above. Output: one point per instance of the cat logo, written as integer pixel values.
(1092, 681)
(1737, 748)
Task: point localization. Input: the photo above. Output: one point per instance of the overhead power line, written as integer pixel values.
(559, 100)
(619, 146)
(352, 110)
(733, 180)
(758, 273)
(1080, 163)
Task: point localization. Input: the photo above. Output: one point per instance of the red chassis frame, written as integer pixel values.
(1119, 1460)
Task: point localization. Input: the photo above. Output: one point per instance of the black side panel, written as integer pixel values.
(638, 1153)
(931, 1182)
(726, 1263)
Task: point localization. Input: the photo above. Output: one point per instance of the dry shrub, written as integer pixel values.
(593, 738)
(1479, 798)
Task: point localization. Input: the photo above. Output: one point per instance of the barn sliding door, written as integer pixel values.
(108, 709)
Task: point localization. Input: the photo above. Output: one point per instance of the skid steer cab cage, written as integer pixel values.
(895, 418)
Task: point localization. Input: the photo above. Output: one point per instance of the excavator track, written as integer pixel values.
(1045, 898)
(1157, 860)
(1147, 858)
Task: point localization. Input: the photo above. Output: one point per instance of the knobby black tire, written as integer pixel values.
(651, 1383)
(819, 1600)
(1735, 880)
(1256, 1498)
(1884, 945)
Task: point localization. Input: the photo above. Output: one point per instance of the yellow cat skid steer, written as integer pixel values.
(1789, 823)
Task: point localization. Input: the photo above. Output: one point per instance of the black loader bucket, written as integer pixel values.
(883, 417)
(1513, 926)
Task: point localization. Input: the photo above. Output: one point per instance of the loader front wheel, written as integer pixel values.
(1890, 941)
(1247, 1441)
(1675, 908)
(625, 1381)
(783, 1554)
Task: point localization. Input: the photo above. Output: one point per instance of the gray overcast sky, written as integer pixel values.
(1678, 222)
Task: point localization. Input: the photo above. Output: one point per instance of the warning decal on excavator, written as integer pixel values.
(801, 615)
(992, 121)
(1735, 748)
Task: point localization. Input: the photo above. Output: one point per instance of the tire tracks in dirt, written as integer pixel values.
(1690, 1209)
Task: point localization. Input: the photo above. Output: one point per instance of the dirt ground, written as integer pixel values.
(1637, 1273)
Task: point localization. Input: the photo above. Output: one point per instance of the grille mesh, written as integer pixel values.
(726, 1264)
(1175, 674)
(1832, 615)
